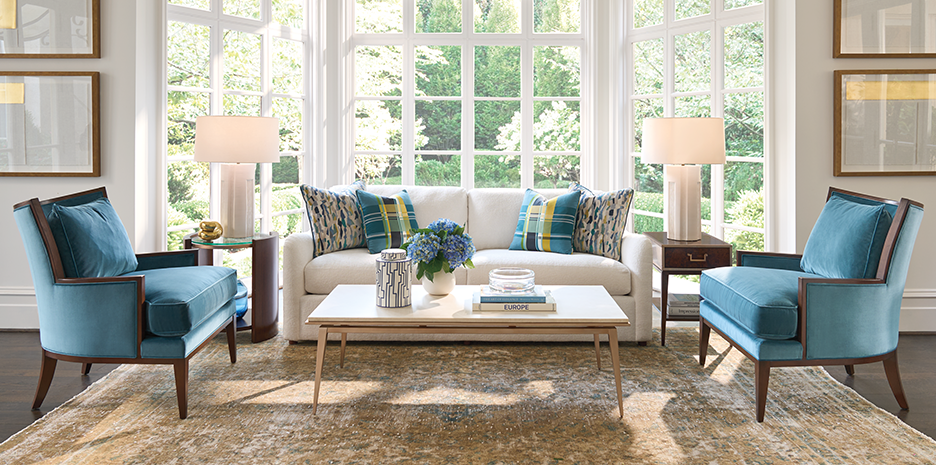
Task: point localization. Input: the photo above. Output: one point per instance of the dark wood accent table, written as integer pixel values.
(264, 312)
(684, 258)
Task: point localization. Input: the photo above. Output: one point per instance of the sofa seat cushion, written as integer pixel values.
(180, 298)
(768, 312)
(555, 269)
(352, 266)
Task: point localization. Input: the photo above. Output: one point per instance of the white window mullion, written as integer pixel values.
(216, 68)
(266, 104)
(526, 95)
(408, 162)
(717, 204)
(467, 92)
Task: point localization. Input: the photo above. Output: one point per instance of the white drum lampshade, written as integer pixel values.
(238, 143)
(682, 145)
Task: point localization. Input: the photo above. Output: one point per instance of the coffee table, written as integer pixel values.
(353, 309)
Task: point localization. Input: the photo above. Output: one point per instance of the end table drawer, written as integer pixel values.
(691, 257)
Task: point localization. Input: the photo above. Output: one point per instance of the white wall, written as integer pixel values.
(118, 157)
(814, 94)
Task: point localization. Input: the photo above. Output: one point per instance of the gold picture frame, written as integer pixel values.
(50, 29)
(882, 123)
(50, 124)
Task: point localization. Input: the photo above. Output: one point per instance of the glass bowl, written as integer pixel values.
(511, 280)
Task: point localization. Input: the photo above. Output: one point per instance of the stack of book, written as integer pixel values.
(682, 305)
(537, 300)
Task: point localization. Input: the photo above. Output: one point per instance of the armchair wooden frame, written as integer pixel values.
(762, 367)
(49, 359)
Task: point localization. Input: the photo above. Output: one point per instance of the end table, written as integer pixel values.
(681, 258)
(264, 311)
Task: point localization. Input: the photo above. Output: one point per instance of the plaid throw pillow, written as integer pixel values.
(546, 225)
(335, 217)
(387, 220)
(600, 221)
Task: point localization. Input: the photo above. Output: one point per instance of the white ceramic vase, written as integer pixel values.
(441, 284)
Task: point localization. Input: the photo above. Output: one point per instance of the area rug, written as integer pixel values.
(491, 403)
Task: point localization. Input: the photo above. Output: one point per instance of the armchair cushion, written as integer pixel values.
(388, 221)
(847, 240)
(546, 225)
(91, 240)
(179, 299)
(768, 312)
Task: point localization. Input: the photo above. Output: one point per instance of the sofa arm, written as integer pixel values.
(298, 251)
(636, 255)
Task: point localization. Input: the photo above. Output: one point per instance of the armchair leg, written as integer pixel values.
(85, 368)
(181, 382)
(231, 331)
(704, 331)
(46, 372)
(850, 370)
(893, 378)
(761, 377)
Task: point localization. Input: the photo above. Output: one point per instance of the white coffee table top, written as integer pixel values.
(575, 305)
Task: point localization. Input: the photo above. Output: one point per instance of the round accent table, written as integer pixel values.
(264, 311)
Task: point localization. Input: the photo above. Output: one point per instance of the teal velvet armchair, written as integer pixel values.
(101, 303)
(836, 304)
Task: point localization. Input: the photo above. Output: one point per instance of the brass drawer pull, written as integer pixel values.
(704, 258)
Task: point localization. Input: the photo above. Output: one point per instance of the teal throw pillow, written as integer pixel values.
(91, 240)
(600, 221)
(335, 217)
(847, 240)
(546, 225)
(388, 221)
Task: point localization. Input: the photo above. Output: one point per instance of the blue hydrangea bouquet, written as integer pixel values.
(443, 246)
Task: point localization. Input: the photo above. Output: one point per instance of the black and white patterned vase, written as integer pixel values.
(394, 279)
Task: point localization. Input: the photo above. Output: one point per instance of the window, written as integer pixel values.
(472, 93)
(702, 58)
(235, 57)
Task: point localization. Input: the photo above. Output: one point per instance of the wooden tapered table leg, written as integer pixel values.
(616, 365)
(344, 341)
(319, 363)
(597, 351)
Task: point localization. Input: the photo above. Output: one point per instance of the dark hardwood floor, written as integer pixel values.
(19, 371)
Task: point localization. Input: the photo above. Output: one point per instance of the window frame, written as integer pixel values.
(715, 21)
(218, 22)
(468, 39)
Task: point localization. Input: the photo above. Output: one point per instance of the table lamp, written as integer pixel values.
(238, 143)
(682, 145)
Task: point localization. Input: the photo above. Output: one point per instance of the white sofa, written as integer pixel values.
(490, 216)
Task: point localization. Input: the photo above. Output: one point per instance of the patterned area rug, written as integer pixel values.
(481, 403)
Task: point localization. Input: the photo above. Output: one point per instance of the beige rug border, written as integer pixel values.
(49, 416)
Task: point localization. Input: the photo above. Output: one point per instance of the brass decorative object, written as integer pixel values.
(210, 230)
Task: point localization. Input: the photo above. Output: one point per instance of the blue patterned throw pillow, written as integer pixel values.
(600, 221)
(546, 225)
(335, 217)
(388, 221)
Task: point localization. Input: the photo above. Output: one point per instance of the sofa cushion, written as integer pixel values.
(491, 214)
(544, 224)
(555, 269)
(352, 266)
(847, 240)
(334, 216)
(180, 298)
(432, 202)
(768, 312)
(91, 240)
(387, 220)
(600, 221)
